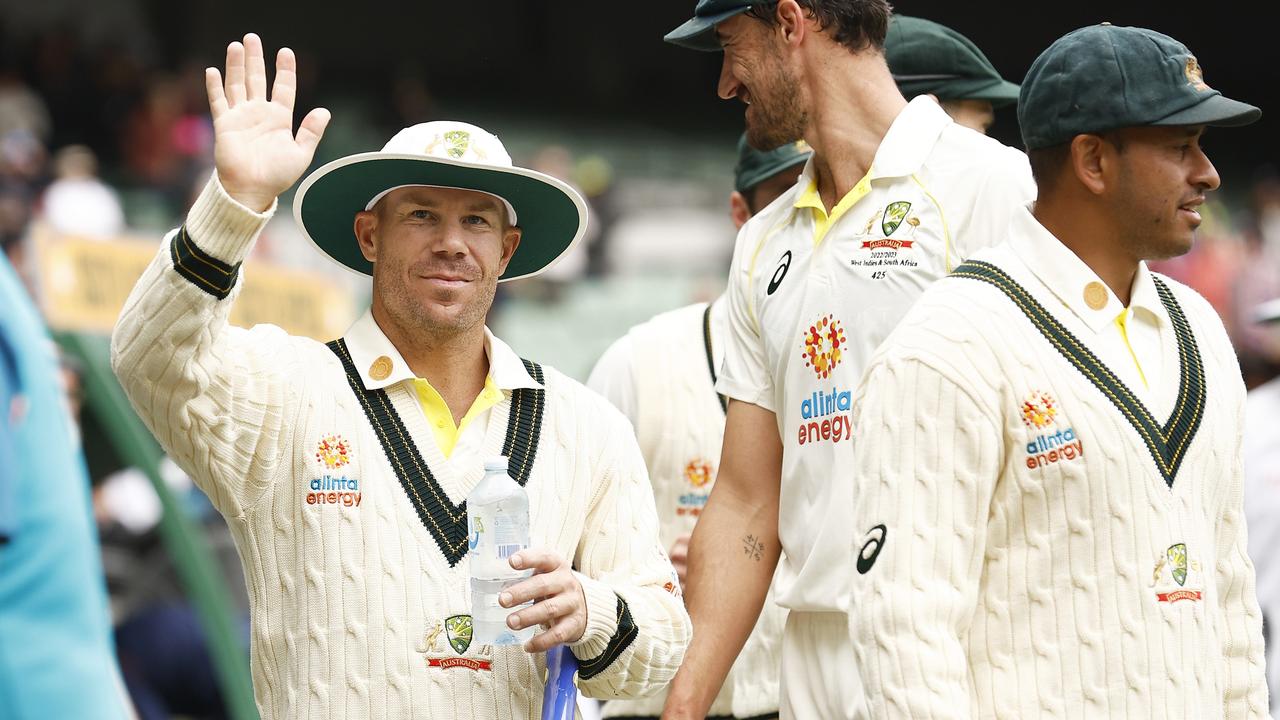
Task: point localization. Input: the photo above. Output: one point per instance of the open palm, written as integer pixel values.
(255, 151)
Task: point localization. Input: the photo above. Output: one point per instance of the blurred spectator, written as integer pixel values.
(77, 202)
(57, 659)
(21, 109)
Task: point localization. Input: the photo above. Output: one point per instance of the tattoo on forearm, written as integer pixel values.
(752, 547)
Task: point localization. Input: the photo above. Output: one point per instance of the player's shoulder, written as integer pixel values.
(666, 324)
(575, 403)
(967, 159)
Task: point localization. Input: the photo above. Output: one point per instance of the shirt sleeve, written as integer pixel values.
(614, 377)
(10, 401)
(744, 374)
(927, 461)
(213, 395)
(1007, 188)
(1245, 685)
(637, 627)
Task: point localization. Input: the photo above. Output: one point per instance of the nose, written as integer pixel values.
(1204, 174)
(449, 240)
(727, 88)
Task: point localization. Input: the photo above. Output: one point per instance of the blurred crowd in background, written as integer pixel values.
(94, 144)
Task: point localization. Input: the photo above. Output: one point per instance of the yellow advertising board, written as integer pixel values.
(83, 284)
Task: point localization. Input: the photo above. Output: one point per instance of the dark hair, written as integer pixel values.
(1048, 163)
(856, 24)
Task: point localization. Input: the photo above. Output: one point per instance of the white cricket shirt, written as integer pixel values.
(812, 294)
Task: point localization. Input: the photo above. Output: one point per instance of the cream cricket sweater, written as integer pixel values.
(658, 375)
(1034, 543)
(359, 592)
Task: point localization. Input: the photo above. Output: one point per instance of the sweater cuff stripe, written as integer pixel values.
(623, 636)
(200, 268)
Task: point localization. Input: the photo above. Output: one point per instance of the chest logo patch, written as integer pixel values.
(333, 452)
(893, 216)
(1172, 573)
(824, 346)
(458, 632)
(1049, 443)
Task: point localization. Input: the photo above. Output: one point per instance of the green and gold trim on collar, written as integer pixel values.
(200, 268)
(1168, 443)
(446, 522)
(622, 637)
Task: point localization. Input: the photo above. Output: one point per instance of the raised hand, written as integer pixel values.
(254, 148)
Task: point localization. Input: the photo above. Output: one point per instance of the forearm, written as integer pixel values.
(735, 544)
(181, 364)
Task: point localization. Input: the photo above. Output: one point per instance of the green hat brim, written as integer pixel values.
(998, 92)
(552, 217)
(1216, 110)
(699, 33)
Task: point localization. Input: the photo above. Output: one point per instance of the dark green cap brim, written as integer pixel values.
(699, 33)
(551, 216)
(754, 166)
(1216, 110)
(997, 92)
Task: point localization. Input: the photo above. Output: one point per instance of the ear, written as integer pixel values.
(510, 241)
(365, 223)
(739, 210)
(1092, 160)
(792, 22)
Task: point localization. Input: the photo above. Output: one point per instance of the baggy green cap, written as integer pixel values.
(754, 166)
(1106, 77)
(699, 32)
(928, 58)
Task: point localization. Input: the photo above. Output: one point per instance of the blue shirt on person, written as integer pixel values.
(57, 659)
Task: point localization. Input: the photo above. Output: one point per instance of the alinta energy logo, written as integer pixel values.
(1040, 413)
(699, 474)
(824, 346)
(333, 453)
(825, 413)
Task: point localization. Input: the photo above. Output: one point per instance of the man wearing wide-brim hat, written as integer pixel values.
(342, 468)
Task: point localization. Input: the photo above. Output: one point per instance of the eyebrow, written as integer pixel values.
(480, 205)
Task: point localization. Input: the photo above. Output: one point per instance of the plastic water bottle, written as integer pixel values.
(497, 528)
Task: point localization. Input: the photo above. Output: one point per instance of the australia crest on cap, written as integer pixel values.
(1195, 76)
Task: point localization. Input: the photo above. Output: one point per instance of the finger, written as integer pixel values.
(285, 87)
(564, 632)
(546, 612)
(235, 74)
(255, 67)
(312, 129)
(536, 558)
(213, 87)
(536, 587)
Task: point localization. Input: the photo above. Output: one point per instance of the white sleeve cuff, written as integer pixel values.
(222, 227)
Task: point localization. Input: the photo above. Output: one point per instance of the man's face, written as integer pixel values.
(976, 114)
(755, 71)
(1162, 177)
(437, 254)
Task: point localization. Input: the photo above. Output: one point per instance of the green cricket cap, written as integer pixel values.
(699, 32)
(754, 166)
(928, 58)
(1105, 77)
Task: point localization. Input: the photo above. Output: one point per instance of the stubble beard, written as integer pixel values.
(415, 316)
(778, 116)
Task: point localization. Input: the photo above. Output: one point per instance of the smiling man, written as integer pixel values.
(342, 468)
(894, 197)
(1048, 467)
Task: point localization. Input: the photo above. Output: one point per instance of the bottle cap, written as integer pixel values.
(496, 464)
